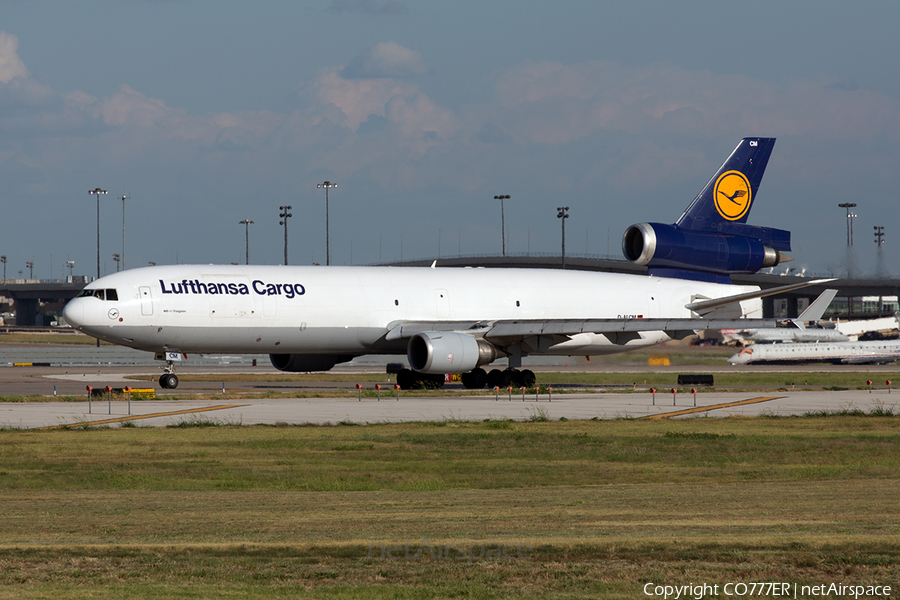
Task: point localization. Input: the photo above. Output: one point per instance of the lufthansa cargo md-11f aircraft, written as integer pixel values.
(456, 320)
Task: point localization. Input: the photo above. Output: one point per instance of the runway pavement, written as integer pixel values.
(252, 410)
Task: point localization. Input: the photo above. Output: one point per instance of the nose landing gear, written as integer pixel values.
(168, 380)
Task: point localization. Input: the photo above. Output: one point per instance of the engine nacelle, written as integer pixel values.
(448, 352)
(303, 363)
(660, 246)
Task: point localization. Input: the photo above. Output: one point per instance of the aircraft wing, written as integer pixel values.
(618, 330)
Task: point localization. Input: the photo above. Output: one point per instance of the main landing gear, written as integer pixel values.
(473, 380)
(510, 377)
(478, 379)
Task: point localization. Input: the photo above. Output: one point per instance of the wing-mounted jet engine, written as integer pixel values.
(711, 241)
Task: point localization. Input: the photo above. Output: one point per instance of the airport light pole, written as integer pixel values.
(850, 217)
(30, 265)
(285, 215)
(247, 223)
(327, 185)
(3, 260)
(124, 198)
(118, 258)
(502, 221)
(70, 264)
(563, 214)
(98, 192)
(879, 235)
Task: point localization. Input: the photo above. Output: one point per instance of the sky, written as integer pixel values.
(209, 112)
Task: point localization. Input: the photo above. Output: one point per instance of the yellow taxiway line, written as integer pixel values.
(697, 409)
(136, 417)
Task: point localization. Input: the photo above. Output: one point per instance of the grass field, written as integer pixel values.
(578, 509)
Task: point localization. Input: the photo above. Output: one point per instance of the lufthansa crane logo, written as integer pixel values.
(732, 195)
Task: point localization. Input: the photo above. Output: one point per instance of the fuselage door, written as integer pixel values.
(146, 301)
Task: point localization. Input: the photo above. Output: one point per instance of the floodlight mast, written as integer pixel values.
(285, 215)
(501, 198)
(563, 214)
(327, 185)
(850, 217)
(124, 197)
(98, 192)
(246, 223)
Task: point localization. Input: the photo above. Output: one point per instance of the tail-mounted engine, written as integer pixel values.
(671, 251)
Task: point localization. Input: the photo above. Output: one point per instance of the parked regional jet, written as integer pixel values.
(796, 330)
(855, 353)
(455, 320)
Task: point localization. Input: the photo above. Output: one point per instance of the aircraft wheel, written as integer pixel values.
(528, 378)
(493, 378)
(406, 379)
(168, 381)
(432, 381)
(474, 380)
(505, 378)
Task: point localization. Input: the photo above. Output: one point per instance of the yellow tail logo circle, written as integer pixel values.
(732, 195)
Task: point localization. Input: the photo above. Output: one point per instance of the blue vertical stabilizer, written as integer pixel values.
(712, 241)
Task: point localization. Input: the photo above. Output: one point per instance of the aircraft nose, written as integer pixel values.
(73, 313)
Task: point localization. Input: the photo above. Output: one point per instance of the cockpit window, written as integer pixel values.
(110, 294)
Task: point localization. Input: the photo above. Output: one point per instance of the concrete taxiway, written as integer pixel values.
(250, 410)
(68, 371)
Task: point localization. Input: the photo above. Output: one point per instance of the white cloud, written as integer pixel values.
(10, 64)
(128, 107)
(385, 59)
(357, 98)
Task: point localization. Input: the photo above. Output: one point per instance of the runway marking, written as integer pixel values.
(137, 417)
(698, 409)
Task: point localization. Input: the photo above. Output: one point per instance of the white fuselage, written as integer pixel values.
(350, 310)
(834, 352)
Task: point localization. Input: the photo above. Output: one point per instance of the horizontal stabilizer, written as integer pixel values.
(704, 306)
(779, 239)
